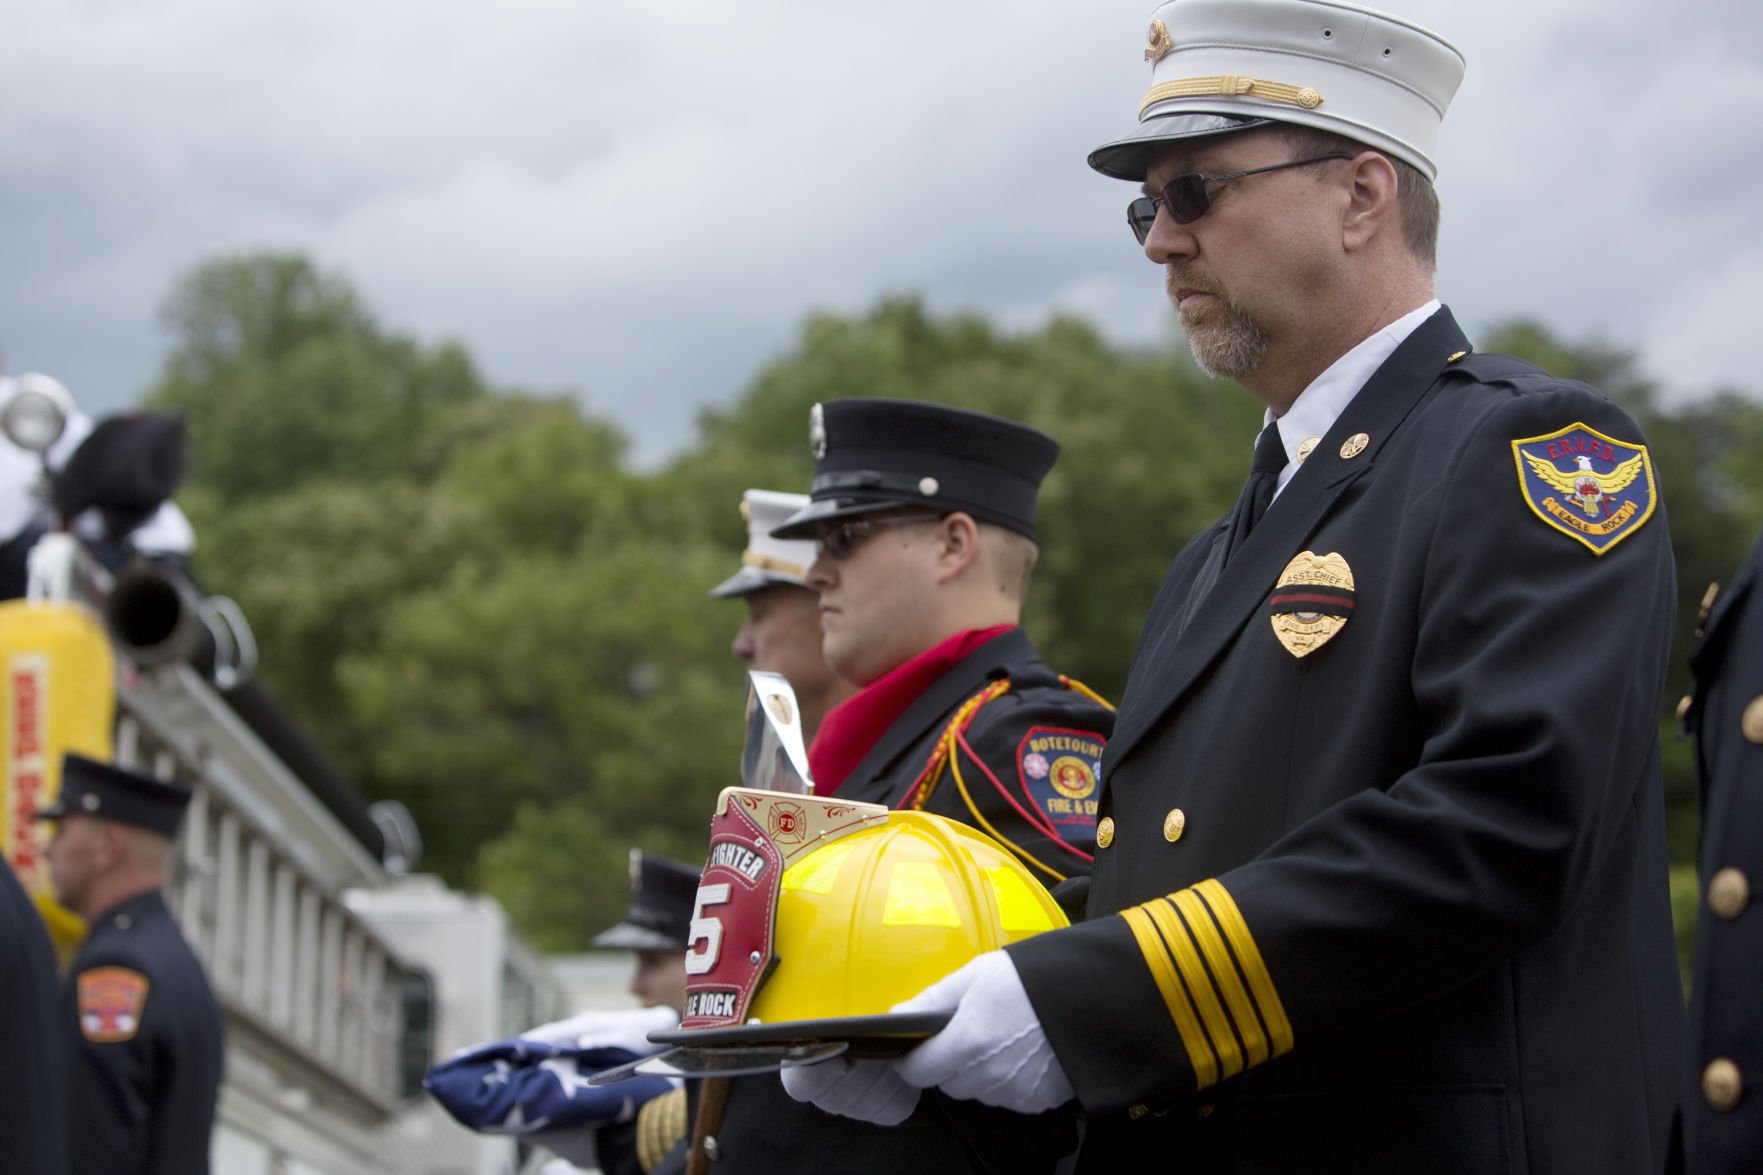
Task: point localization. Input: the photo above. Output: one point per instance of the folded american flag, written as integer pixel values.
(538, 1081)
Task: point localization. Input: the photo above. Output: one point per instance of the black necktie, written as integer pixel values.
(1270, 458)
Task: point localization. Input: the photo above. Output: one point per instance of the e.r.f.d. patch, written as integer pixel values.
(1592, 487)
(1059, 769)
(111, 1000)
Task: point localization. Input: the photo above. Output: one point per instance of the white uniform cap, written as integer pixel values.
(1219, 66)
(768, 561)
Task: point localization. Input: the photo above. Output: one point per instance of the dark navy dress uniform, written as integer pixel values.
(981, 781)
(142, 1022)
(33, 1053)
(143, 1093)
(1383, 877)
(1723, 1101)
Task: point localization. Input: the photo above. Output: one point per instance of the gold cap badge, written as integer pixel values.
(1159, 43)
(1312, 601)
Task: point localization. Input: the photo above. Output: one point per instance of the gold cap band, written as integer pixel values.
(1233, 85)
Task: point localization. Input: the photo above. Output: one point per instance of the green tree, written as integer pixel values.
(284, 377)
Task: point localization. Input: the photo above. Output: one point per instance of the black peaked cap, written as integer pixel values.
(663, 892)
(872, 455)
(91, 788)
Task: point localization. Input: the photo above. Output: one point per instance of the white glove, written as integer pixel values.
(869, 1091)
(993, 1050)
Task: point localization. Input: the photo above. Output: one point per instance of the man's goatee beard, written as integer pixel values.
(1226, 342)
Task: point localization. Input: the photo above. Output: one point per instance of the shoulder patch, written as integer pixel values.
(1059, 769)
(1588, 486)
(111, 1000)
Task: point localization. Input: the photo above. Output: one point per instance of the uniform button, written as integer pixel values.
(712, 1148)
(1708, 598)
(1729, 892)
(1683, 706)
(1752, 723)
(1722, 1084)
(1105, 832)
(1138, 1111)
(1174, 824)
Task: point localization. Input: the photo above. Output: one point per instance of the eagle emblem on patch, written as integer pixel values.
(111, 1000)
(1590, 487)
(1312, 601)
(1059, 770)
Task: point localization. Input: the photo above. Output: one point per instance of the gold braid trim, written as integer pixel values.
(1231, 85)
(769, 563)
(1076, 686)
(660, 1124)
(944, 752)
(944, 749)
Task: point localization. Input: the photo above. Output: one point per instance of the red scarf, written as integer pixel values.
(851, 729)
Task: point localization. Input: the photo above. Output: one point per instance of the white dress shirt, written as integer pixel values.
(1318, 406)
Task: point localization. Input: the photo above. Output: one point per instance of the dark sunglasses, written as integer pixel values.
(841, 538)
(1187, 199)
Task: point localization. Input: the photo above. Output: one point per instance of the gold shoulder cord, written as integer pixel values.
(660, 1124)
(945, 752)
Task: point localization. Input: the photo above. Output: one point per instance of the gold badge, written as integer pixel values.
(1159, 44)
(1305, 447)
(817, 432)
(1354, 445)
(1312, 601)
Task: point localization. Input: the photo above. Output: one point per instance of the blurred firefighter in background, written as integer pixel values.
(146, 1065)
(782, 631)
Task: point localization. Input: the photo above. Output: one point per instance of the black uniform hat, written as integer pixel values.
(873, 455)
(90, 788)
(663, 892)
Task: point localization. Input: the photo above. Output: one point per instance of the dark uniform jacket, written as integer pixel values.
(146, 1035)
(766, 1132)
(33, 1054)
(1399, 904)
(1723, 1104)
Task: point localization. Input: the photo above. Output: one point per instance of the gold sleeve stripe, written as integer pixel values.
(1224, 972)
(1230, 920)
(660, 1124)
(1187, 963)
(1175, 997)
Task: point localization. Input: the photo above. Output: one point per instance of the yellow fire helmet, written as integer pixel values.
(816, 915)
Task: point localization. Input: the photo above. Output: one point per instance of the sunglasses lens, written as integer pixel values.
(1185, 197)
(1141, 214)
(837, 541)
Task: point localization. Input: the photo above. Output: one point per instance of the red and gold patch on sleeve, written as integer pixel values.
(111, 1000)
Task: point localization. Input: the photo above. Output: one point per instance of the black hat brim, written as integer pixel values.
(805, 522)
(1129, 158)
(628, 936)
(748, 580)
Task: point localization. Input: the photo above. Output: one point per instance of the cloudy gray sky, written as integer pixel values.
(640, 201)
